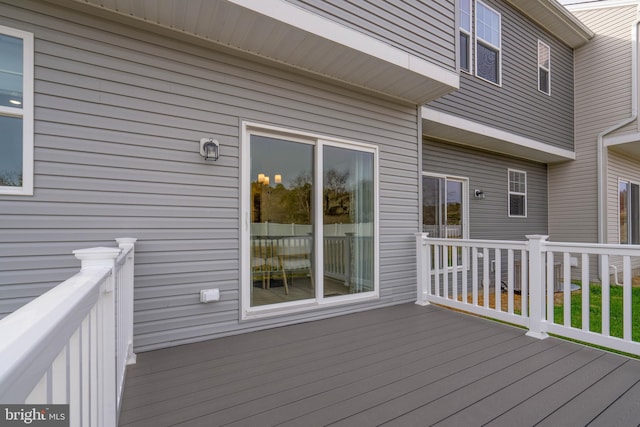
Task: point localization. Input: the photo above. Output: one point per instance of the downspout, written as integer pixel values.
(601, 149)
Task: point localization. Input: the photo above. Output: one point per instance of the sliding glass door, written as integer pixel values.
(312, 209)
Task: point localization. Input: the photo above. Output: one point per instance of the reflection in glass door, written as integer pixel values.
(348, 221)
(281, 236)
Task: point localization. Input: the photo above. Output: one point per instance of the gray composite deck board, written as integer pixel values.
(402, 365)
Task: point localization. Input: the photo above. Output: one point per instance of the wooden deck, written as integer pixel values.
(400, 366)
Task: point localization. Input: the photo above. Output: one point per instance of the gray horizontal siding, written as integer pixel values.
(602, 99)
(489, 217)
(423, 28)
(517, 106)
(119, 113)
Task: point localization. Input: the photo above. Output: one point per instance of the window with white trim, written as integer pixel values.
(544, 68)
(517, 193)
(488, 43)
(16, 112)
(629, 212)
(465, 34)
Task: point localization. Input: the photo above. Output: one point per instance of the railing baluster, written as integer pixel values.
(566, 272)
(626, 299)
(436, 268)
(465, 276)
(445, 271)
(510, 263)
(549, 287)
(606, 313)
(454, 272)
(498, 278)
(474, 262)
(485, 277)
(586, 290)
(75, 377)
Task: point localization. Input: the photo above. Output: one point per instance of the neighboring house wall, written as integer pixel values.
(119, 113)
(418, 26)
(517, 106)
(602, 99)
(486, 171)
(621, 166)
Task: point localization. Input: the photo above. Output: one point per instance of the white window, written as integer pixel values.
(629, 212)
(465, 35)
(444, 206)
(311, 221)
(544, 68)
(517, 193)
(16, 112)
(488, 43)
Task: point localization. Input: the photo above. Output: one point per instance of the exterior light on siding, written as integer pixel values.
(209, 149)
(479, 194)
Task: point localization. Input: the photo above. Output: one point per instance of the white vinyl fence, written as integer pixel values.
(72, 344)
(484, 276)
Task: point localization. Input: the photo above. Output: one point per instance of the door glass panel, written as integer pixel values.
(623, 195)
(348, 215)
(443, 207)
(432, 206)
(281, 236)
(454, 210)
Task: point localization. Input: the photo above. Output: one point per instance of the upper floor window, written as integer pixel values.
(16, 112)
(517, 193)
(544, 68)
(488, 43)
(465, 35)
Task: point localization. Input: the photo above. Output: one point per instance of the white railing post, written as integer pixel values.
(127, 244)
(536, 286)
(423, 258)
(106, 345)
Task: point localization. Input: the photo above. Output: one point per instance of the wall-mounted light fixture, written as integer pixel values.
(209, 149)
(479, 194)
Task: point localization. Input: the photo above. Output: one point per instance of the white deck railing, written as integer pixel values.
(71, 345)
(484, 277)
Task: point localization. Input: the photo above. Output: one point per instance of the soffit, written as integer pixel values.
(553, 17)
(627, 144)
(446, 127)
(630, 149)
(280, 32)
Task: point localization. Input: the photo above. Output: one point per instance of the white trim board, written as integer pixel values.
(447, 127)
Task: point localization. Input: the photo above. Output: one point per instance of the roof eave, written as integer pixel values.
(556, 19)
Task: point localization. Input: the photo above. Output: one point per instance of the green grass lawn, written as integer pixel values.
(595, 311)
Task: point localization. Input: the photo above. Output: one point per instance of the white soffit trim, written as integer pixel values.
(359, 44)
(279, 32)
(447, 127)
